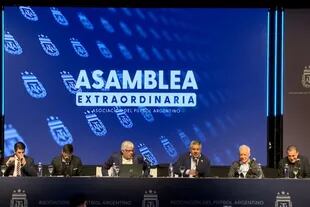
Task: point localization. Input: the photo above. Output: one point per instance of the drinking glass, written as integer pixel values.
(295, 172)
(239, 172)
(244, 172)
(182, 169)
(50, 169)
(3, 168)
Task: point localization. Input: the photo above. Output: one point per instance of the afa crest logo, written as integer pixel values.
(11, 45)
(199, 133)
(150, 199)
(85, 22)
(104, 50)
(283, 199)
(157, 54)
(69, 82)
(140, 13)
(153, 17)
(142, 53)
(33, 86)
(306, 77)
(19, 198)
(127, 11)
(125, 28)
(48, 46)
(11, 136)
(147, 114)
(141, 31)
(95, 124)
(107, 26)
(147, 154)
(211, 128)
(59, 131)
(28, 13)
(166, 35)
(185, 139)
(59, 17)
(155, 34)
(111, 9)
(181, 55)
(170, 54)
(123, 118)
(125, 52)
(169, 148)
(78, 48)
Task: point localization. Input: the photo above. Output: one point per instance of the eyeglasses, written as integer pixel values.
(128, 150)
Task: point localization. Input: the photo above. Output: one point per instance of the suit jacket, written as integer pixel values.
(117, 159)
(254, 171)
(27, 170)
(203, 167)
(73, 168)
(303, 164)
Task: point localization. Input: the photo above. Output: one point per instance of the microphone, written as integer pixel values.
(147, 161)
(67, 161)
(148, 167)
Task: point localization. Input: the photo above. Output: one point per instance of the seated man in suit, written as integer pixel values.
(245, 167)
(19, 164)
(66, 163)
(194, 162)
(125, 156)
(294, 161)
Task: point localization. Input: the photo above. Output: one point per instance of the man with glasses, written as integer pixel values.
(126, 156)
(19, 164)
(66, 163)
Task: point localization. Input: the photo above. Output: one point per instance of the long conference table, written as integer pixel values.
(154, 192)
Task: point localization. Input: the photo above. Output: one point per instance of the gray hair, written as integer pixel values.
(195, 142)
(245, 147)
(126, 144)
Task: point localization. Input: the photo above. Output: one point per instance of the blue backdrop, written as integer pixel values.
(45, 49)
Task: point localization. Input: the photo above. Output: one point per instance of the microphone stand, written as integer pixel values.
(148, 168)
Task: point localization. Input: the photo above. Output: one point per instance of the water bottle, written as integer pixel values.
(286, 171)
(113, 171)
(40, 169)
(170, 170)
(260, 171)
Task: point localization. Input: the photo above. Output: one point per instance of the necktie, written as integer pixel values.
(18, 173)
(196, 162)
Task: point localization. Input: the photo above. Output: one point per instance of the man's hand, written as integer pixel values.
(23, 161)
(193, 173)
(10, 161)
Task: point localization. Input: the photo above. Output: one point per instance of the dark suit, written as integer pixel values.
(27, 170)
(254, 171)
(202, 168)
(303, 164)
(117, 159)
(72, 168)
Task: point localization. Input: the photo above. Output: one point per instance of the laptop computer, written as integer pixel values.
(134, 170)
